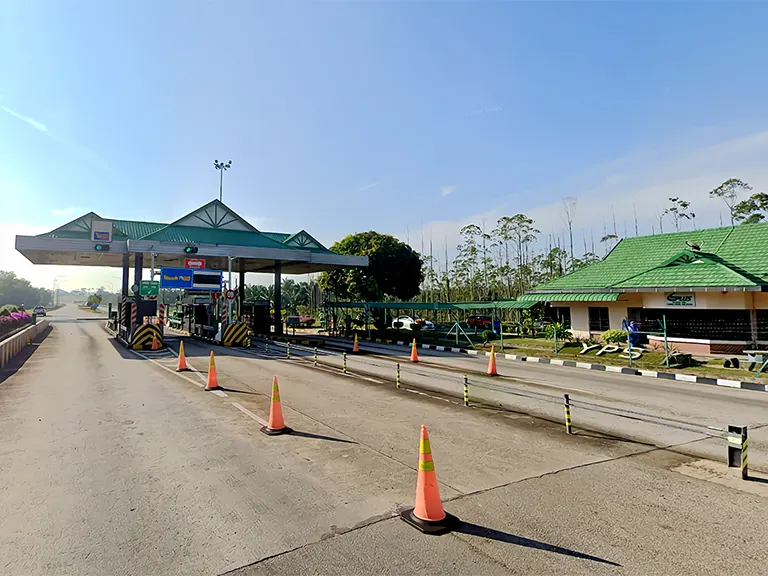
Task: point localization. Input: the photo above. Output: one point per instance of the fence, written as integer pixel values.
(13, 345)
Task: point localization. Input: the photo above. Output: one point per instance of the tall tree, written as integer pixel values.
(18, 291)
(729, 192)
(679, 209)
(752, 210)
(569, 211)
(394, 269)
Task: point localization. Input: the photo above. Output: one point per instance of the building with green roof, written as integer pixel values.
(709, 285)
(213, 233)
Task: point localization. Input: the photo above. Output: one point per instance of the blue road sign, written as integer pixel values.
(176, 278)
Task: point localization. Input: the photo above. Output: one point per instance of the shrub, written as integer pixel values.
(7, 309)
(528, 326)
(488, 335)
(562, 331)
(614, 336)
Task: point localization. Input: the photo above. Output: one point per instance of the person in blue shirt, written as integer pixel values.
(634, 336)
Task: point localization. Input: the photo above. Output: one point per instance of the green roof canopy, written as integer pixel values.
(490, 305)
(725, 258)
(571, 297)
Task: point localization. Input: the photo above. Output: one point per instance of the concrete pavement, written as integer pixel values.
(114, 465)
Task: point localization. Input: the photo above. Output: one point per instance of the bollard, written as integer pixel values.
(315, 356)
(737, 449)
(397, 378)
(567, 403)
(288, 350)
(266, 348)
(466, 391)
(345, 362)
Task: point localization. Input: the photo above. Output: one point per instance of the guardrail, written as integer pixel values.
(12, 346)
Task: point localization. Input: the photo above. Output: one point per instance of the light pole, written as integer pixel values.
(56, 288)
(221, 167)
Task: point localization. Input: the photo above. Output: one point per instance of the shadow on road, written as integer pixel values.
(321, 437)
(15, 363)
(491, 534)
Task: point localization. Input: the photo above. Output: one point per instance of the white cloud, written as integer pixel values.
(368, 186)
(31, 121)
(65, 211)
(640, 184)
(447, 190)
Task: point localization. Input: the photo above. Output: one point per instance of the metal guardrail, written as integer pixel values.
(12, 346)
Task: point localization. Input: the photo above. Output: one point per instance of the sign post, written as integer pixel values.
(149, 288)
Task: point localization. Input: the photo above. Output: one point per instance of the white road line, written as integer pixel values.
(220, 393)
(179, 374)
(191, 368)
(249, 413)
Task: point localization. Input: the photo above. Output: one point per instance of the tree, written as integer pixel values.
(394, 269)
(678, 210)
(607, 239)
(729, 192)
(18, 291)
(569, 211)
(750, 211)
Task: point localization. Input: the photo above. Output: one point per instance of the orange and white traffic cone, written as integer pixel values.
(182, 365)
(414, 354)
(356, 346)
(492, 363)
(213, 381)
(276, 424)
(428, 514)
(155, 344)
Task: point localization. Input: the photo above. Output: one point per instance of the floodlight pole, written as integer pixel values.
(221, 167)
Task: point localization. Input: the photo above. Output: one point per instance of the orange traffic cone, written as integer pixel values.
(155, 345)
(276, 424)
(213, 381)
(428, 514)
(414, 354)
(356, 347)
(182, 365)
(492, 363)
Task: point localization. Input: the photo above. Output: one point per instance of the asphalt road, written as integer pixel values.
(113, 464)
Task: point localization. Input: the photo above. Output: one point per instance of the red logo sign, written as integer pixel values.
(216, 296)
(194, 263)
(230, 294)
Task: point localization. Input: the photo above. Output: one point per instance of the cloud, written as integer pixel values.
(368, 186)
(636, 185)
(446, 190)
(31, 121)
(481, 111)
(64, 211)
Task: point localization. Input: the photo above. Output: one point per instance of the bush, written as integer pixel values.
(7, 309)
(528, 326)
(562, 331)
(488, 336)
(614, 336)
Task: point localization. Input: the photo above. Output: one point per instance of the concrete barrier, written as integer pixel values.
(13, 345)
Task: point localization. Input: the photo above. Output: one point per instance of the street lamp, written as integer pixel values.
(221, 167)
(55, 288)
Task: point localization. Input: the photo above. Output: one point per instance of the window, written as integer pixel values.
(560, 314)
(598, 319)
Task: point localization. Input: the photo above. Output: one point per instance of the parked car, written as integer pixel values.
(483, 322)
(407, 321)
(39, 311)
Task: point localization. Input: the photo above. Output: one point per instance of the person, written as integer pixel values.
(634, 336)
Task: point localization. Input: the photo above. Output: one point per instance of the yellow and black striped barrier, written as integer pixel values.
(234, 334)
(397, 376)
(567, 405)
(144, 334)
(737, 449)
(466, 391)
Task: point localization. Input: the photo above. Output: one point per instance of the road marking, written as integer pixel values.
(168, 369)
(189, 365)
(219, 393)
(249, 413)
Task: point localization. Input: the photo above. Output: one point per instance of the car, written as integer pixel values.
(406, 323)
(39, 311)
(300, 321)
(484, 322)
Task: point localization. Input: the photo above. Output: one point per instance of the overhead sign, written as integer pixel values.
(675, 299)
(194, 263)
(101, 231)
(230, 294)
(176, 278)
(191, 279)
(149, 288)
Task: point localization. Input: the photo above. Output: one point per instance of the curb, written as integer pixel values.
(597, 367)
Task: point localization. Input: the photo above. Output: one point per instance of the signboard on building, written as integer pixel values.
(149, 288)
(676, 299)
(194, 263)
(101, 231)
(191, 279)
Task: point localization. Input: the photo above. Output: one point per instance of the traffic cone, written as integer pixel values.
(414, 354)
(182, 365)
(492, 363)
(276, 424)
(428, 514)
(213, 381)
(155, 345)
(356, 346)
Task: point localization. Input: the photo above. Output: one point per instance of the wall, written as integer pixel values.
(715, 300)
(617, 311)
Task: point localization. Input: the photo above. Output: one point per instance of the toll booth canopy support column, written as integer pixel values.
(126, 274)
(241, 289)
(278, 298)
(138, 272)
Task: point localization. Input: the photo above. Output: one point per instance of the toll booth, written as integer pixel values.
(255, 313)
(199, 320)
(132, 315)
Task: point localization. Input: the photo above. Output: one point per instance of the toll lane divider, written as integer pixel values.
(13, 345)
(725, 382)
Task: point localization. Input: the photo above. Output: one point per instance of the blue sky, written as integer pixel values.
(394, 116)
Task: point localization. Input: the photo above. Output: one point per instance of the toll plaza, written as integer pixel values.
(200, 259)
